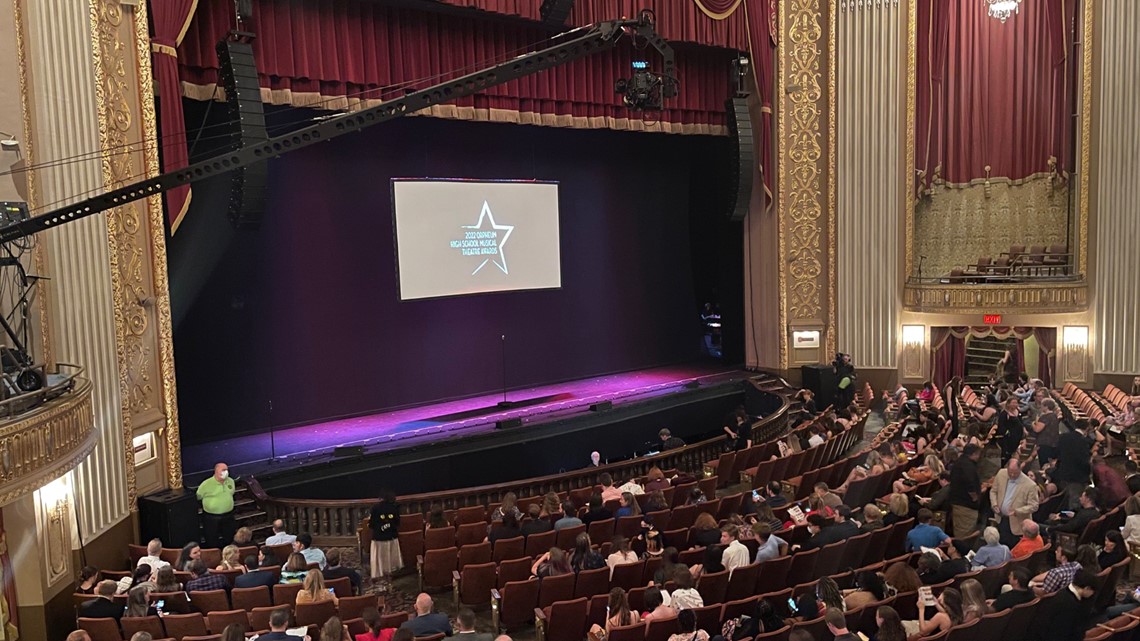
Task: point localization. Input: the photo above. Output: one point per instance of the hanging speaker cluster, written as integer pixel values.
(743, 157)
(555, 13)
(247, 126)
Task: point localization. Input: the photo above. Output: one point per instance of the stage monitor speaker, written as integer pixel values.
(247, 126)
(508, 423)
(602, 407)
(743, 158)
(555, 12)
(171, 515)
(821, 380)
(348, 450)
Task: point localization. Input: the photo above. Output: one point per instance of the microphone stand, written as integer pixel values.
(504, 403)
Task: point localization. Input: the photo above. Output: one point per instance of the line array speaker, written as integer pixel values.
(555, 12)
(247, 125)
(743, 157)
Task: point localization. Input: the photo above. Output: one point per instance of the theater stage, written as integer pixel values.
(399, 438)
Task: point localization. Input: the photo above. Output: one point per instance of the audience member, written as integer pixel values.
(140, 575)
(535, 524)
(304, 545)
(103, 605)
(1014, 498)
(278, 624)
(668, 441)
(1030, 542)
(1018, 591)
(620, 553)
(314, 590)
(334, 630)
(735, 555)
(1069, 612)
(202, 580)
(1113, 551)
(1073, 470)
(965, 491)
(655, 480)
(618, 614)
(552, 563)
(584, 556)
(88, 579)
(384, 521)
(78, 635)
(837, 625)
(705, 531)
(233, 632)
(771, 546)
(1087, 511)
(902, 578)
(138, 602)
(949, 613)
(869, 587)
(153, 550)
(993, 553)
(143, 635)
(243, 537)
(655, 608)
(872, 518)
(295, 569)
(192, 551)
(253, 576)
(898, 509)
(437, 520)
(372, 621)
(829, 595)
(426, 622)
(166, 581)
(608, 491)
(1109, 483)
(890, 627)
(508, 528)
(687, 628)
(597, 510)
(974, 605)
(925, 535)
(334, 570)
(230, 559)
(569, 517)
(1060, 576)
(465, 627)
(280, 536)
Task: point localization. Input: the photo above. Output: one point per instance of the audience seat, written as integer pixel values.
(204, 637)
(439, 538)
(562, 621)
(341, 586)
(629, 526)
(552, 589)
(713, 586)
(411, 545)
(540, 543)
(171, 555)
(435, 567)
(474, 554)
(151, 625)
(281, 551)
(567, 535)
(802, 568)
(661, 629)
(505, 549)
(627, 575)
(635, 632)
(472, 585)
(212, 557)
(393, 619)
(229, 574)
(351, 607)
(286, 593)
(250, 598)
(217, 621)
(173, 602)
(259, 617)
(471, 533)
(514, 605)
(185, 625)
(471, 515)
(603, 530)
(591, 582)
(314, 613)
(742, 582)
(136, 552)
(205, 601)
(735, 608)
(709, 617)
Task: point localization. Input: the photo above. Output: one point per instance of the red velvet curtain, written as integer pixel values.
(949, 355)
(1047, 346)
(991, 93)
(170, 19)
(368, 50)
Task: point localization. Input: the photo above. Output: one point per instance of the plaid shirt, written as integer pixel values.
(1060, 577)
(210, 582)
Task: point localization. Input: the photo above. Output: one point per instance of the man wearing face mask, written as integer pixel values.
(217, 496)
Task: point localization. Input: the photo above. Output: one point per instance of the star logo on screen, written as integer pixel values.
(490, 240)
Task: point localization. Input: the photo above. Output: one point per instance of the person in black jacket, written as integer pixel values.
(965, 491)
(1019, 590)
(842, 529)
(1067, 615)
(1074, 451)
(1088, 510)
(254, 577)
(384, 521)
(103, 605)
(1010, 429)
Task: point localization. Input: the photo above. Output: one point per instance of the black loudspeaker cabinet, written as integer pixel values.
(555, 13)
(171, 515)
(821, 380)
(743, 159)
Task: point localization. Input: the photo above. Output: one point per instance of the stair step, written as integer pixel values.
(259, 514)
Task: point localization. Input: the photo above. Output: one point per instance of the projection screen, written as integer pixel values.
(457, 237)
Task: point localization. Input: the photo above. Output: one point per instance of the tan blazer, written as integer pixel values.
(1025, 501)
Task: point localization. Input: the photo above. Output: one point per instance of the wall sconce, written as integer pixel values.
(55, 526)
(8, 142)
(914, 342)
(1076, 341)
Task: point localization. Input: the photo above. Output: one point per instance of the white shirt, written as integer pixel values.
(281, 538)
(816, 439)
(735, 556)
(687, 600)
(154, 562)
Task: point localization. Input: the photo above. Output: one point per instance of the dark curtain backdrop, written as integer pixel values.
(301, 321)
(949, 355)
(993, 94)
(948, 349)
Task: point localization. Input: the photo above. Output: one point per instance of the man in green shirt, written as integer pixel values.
(217, 496)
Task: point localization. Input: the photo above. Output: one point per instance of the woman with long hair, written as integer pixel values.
(620, 553)
(655, 480)
(617, 614)
(656, 501)
(827, 592)
(165, 581)
(949, 607)
(437, 519)
(705, 531)
(233, 632)
(190, 552)
(314, 590)
(1114, 550)
(1087, 557)
(138, 602)
(88, 577)
(974, 604)
(295, 569)
(869, 587)
(584, 556)
(551, 506)
(898, 509)
(372, 621)
(628, 506)
(334, 630)
(138, 577)
(890, 625)
(552, 563)
(509, 506)
(231, 559)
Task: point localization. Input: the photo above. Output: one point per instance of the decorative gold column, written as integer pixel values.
(806, 134)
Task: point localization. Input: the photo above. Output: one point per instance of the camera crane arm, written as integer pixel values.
(580, 43)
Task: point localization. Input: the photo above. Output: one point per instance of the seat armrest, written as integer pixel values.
(539, 615)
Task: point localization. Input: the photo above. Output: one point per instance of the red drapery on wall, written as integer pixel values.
(993, 94)
(949, 354)
(948, 349)
(170, 19)
(364, 50)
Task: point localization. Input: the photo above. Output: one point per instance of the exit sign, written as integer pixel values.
(991, 319)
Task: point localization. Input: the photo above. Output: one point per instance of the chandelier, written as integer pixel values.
(1002, 9)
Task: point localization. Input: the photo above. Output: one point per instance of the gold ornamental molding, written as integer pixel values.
(1035, 298)
(804, 235)
(46, 443)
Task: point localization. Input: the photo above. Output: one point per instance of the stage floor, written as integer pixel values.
(443, 421)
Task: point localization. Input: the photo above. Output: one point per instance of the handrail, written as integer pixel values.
(340, 517)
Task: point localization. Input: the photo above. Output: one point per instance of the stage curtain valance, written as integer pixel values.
(171, 19)
(345, 55)
(991, 94)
